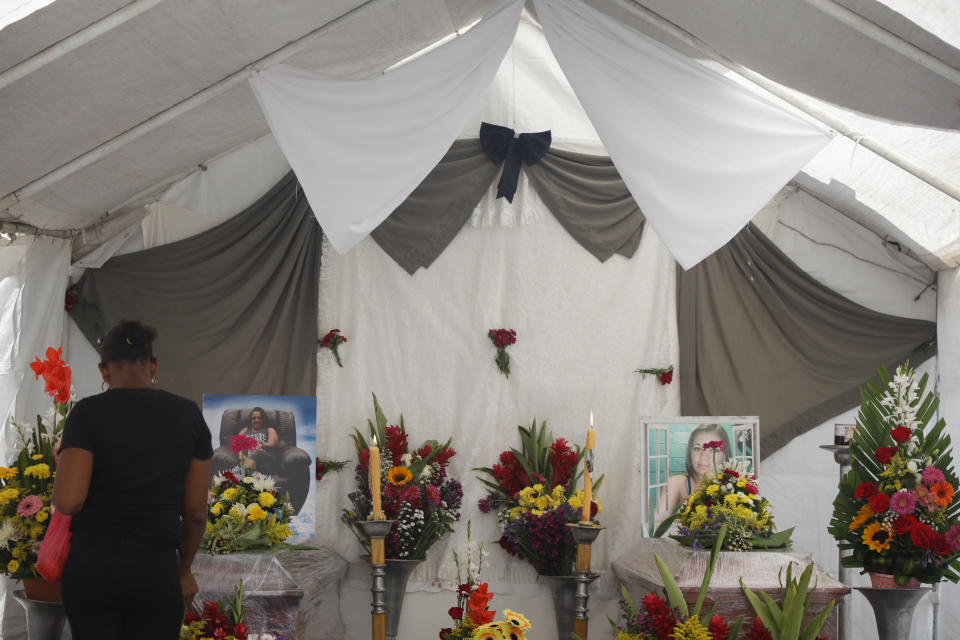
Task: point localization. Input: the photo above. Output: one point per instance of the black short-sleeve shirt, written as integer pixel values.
(142, 442)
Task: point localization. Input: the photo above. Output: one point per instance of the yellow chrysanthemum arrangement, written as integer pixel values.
(245, 513)
(730, 497)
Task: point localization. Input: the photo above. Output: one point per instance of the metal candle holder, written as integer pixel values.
(584, 533)
(377, 530)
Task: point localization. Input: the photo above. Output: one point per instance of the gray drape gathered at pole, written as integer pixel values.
(758, 336)
(235, 306)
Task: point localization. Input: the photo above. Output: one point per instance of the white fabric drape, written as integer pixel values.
(359, 148)
(700, 154)
(33, 279)
(420, 343)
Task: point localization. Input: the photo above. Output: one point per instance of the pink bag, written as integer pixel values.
(55, 547)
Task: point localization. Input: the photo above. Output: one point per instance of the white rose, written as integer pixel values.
(912, 466)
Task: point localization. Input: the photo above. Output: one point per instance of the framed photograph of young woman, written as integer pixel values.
(678, 452)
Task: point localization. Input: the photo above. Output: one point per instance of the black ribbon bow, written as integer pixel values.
(500, 145)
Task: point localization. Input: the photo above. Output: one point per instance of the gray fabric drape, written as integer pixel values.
(584, 192)
(235, 306)
(418, 231)
(591, 201)
(758, 336)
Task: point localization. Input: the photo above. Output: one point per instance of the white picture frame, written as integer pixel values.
(669, 464)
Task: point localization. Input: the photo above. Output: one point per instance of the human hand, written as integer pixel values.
(188, 584)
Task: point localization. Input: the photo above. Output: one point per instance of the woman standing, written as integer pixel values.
(134, 471)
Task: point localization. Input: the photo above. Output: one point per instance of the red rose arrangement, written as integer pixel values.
(664, 375)
(502, 338)
(332, 341)
(896, 509)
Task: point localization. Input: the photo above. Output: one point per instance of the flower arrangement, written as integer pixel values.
(244, 513)
(26, 485)
(731, 497)
(223, 621)
(664, 375)
(332, 341)
(514, 627)
(670, 618)
(895, 509)
(472, 595)
(418, 494)
(533, 493)
(502, 338)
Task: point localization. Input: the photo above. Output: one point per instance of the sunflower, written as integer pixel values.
(518, 620)
(486, 632)
(399, 476)
(862, 516)
(877, 537)
(943, 492)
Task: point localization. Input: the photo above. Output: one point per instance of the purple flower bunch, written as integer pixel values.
(545, 540)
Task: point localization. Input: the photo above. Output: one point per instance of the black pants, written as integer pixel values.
(115, 587)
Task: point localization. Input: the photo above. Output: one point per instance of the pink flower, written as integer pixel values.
(953, 537)
(29, 506)
(926, 498)
(903, 502)
(433, 495)
(239, 443)
(932, 475)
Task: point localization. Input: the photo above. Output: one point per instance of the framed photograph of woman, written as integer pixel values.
(678, 452)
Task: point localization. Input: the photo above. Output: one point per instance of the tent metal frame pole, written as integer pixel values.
(792, 98)
(887, 38)
(75, 40)
(218, 88)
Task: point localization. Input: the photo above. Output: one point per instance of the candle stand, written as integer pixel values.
(377, 531)
(584, 533)
(841, 455)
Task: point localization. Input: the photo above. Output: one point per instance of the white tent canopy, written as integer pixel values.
(145, 130)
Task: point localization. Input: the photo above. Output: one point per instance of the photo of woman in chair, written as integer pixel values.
(285, 430)
(263, 459)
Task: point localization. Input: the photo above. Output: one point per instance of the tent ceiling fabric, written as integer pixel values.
(178, 48)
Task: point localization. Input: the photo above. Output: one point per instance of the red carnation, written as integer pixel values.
(865, 491)
(940, 546)
(666, 377)
(456, 613)
(922, 536)
(752, 490)
(900, 434)
(880, 503)
(884, 454)
(902, 525)
(365, 459)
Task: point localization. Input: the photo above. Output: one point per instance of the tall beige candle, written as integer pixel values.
(587, 481)
(374, 479)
